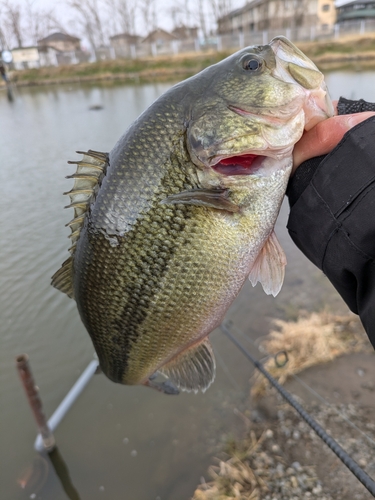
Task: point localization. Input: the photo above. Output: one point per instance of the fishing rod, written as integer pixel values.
(281, 359)
(346, 459)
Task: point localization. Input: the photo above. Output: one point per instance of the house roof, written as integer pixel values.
(58, 37)
(156, 32)
(31, 47)
(183, 29)
(125, 36)
(351, 3)
(356, 14)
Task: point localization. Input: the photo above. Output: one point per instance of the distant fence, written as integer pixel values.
(242, 39)
(218, 42)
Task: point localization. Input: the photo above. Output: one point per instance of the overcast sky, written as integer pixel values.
(68, 17)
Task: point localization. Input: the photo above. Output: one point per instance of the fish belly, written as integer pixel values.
(163, 287)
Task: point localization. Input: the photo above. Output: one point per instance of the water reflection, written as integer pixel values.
(62, 473)
(118, 441)
(38, 480)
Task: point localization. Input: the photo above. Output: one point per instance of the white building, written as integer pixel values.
(261, 15)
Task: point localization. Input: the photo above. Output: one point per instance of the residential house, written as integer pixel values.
(159, 37)
(60, 48)
(124, 44)
(183, 32)
(158, 41)
(61, 42)
(355, 10)
(261, 15)
(48, 56)
(25, 57)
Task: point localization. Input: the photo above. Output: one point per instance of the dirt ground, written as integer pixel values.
(349, 380)
(281, 458)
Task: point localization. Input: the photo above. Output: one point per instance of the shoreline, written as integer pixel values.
(346, 53)
(146, 76)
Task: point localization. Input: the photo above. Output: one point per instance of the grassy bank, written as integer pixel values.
(328, 54)
(352, 52)
(156, 68)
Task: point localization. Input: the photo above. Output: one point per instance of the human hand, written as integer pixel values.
(322, 138)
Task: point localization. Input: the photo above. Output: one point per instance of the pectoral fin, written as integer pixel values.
(214, 198)
(269, 267)
(193, 369)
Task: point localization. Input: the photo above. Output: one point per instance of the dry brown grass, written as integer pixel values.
(236, 478)
(250, 464)
(311, 340)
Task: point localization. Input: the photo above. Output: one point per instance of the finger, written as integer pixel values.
(321, 139)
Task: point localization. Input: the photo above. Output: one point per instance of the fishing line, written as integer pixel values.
(346, 459)
(309, 388)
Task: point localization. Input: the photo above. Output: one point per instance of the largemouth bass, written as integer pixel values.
(169, 224)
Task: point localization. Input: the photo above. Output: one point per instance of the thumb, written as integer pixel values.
(322, 138)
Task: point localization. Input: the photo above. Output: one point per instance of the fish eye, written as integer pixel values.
(251, 63)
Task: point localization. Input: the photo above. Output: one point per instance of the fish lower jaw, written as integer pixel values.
(253, 163)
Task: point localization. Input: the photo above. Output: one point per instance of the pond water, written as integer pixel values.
(117, 442)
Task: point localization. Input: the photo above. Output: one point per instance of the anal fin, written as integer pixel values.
(269, 267)
(193, 369)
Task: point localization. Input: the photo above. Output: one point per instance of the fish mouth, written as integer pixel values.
(251, 162)
(246, 164)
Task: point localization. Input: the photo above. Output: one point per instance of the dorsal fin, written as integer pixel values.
(62, 279)
(193, 369)
(87, 180)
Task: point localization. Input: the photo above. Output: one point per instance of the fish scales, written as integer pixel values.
(184, 214)
(167, 244)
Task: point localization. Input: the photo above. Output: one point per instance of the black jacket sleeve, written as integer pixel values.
(332, 216)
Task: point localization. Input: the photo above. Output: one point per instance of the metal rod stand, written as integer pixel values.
(32, 393)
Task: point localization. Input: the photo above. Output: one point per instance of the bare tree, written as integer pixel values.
(40, 22)
(202, 18)
(91, 20)
(3, 42)
(122, 15)
(148, 10)
(220, 8)
(13, 21)
(4, 38)
(187, 12)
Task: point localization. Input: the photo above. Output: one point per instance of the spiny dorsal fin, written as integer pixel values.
(87, 180)
(193, 369)
(269, 267)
